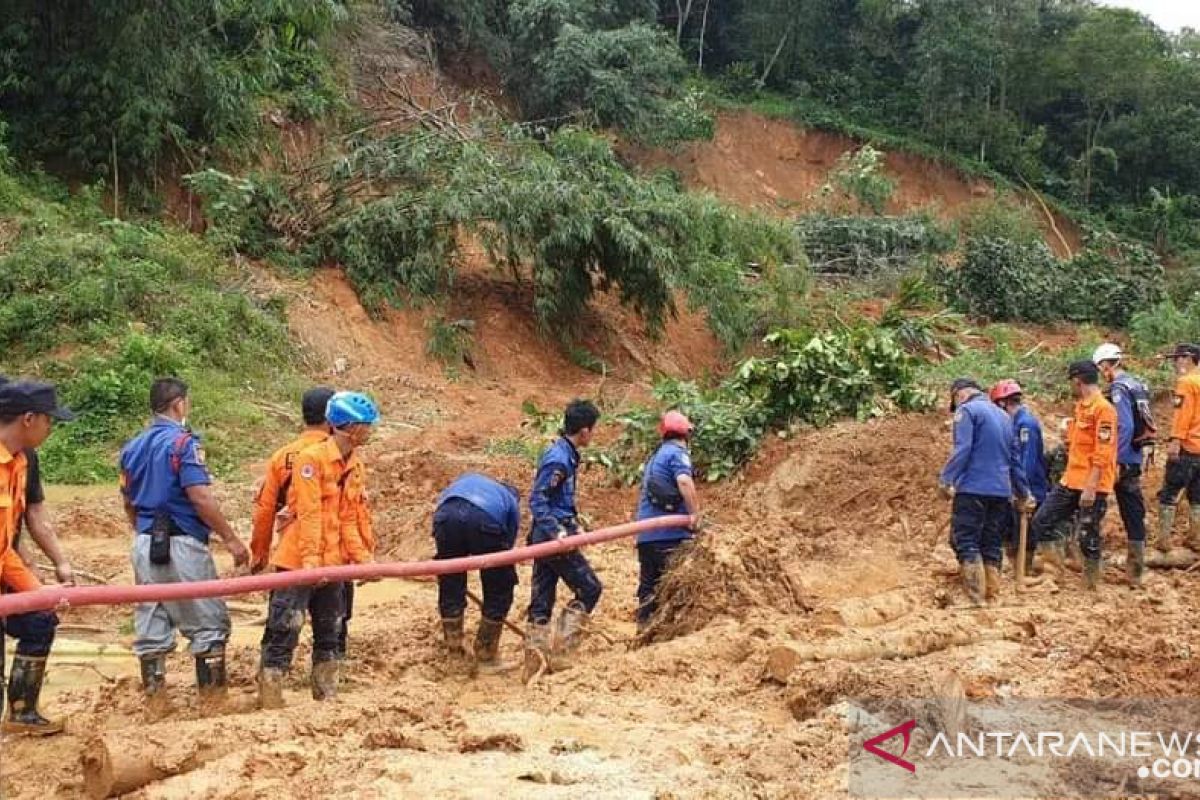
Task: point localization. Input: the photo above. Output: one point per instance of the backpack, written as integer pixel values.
(1144, 428)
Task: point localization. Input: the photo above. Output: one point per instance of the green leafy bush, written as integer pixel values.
(1106, 283)
(855, 245)
(858, 177)
(1165, 324)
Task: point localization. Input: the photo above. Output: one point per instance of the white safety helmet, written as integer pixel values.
(1107, 352)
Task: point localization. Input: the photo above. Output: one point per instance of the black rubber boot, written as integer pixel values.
(452, 630)
(487, 645)
(24, 689)
(973, 581)
(1091, 573)
(154, 674)
(210, 674)
(1135, 563)
(325, 678)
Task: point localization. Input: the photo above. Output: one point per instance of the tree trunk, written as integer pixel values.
(703, 31)
(762, 81)
(682, 13)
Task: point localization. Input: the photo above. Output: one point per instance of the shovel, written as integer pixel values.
(1022, 544)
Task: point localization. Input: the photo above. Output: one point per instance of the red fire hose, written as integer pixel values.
(54, 597)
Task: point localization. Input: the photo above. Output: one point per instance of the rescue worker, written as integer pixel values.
(330, 526)
(982, 477)
(1126, 393)
(476, 515)
(37, 519)
(1183, 451)
(270, 505)
(1027, 432)
(168, 497)
(1090, 476)
(552, 504)
(27, 415)
(667, 488)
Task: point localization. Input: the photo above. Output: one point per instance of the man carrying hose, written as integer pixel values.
(667, 488)
(330, 526)
(476, 515)
(552, 503)
(27, 415)
(167, 491)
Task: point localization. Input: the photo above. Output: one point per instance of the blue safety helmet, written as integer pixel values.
(351, 408)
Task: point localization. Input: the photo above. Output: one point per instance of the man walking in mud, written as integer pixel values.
(167, 491)
(329, 525)
(1027, 432)
(1183, 451)
(552, 503)
(1090, 476)
(1131, 398)
(982, 477)
(667, 488)
(27, 415)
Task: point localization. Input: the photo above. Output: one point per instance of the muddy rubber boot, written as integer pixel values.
(991, 582)
(1194, 528)
(270, 688)
(325, 679)
(1073, 556)
(1053, 555)
(24, 688)
(452, 631)
(1135, 563)
(1166, 524)
(973, 581)
(1091, 574)
(487, 646)
(572, 623)
(210, 675)
(154, 685)
(537, 650)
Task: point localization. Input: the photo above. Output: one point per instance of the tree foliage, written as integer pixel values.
(129, 80)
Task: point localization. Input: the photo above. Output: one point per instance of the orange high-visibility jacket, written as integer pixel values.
(328, 499)
(1092, 443)
(1186, 425)
(272, 494)
(14, 573)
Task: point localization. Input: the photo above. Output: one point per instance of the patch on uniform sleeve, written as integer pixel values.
(557, 477)
(1177, 400)
(959, 416)
(308, 471)
(1024, 435)
(200, 454)
(1105, 432)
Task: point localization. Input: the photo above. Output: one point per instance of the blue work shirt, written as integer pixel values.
(157, 466)
(1124, 397)
(984, 461)
(552, 498)
(662, 472)
(489, 496)
(1033, 457)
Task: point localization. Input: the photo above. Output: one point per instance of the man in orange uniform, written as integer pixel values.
(27, 414)
(331, 527)
(1091, 471)
(1183, 451)
(270, 503)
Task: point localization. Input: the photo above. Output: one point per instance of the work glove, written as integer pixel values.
(946, 491)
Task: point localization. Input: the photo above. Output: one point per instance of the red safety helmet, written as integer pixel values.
(1005, 389)
(674, 423)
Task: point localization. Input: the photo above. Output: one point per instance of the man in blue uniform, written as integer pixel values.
(552, 503)
(982, 476)
(476, 515)
(170, 504)
(1007, 394)
(1131, 398)
(667, 488)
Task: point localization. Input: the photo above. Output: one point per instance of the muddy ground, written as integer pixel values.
(832, 542)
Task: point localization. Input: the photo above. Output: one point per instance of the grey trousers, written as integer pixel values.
(204, 622)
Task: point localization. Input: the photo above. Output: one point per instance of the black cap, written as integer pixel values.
(28, 397)
(960, 384)
(1184, 350)
(1086, 369)
(313, 403)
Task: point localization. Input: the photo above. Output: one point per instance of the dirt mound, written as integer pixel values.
(779, 167)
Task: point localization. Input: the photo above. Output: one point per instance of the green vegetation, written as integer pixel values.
(865, 246)
(125, 85)
(858, 178)
(103, 307)
(803, 377)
